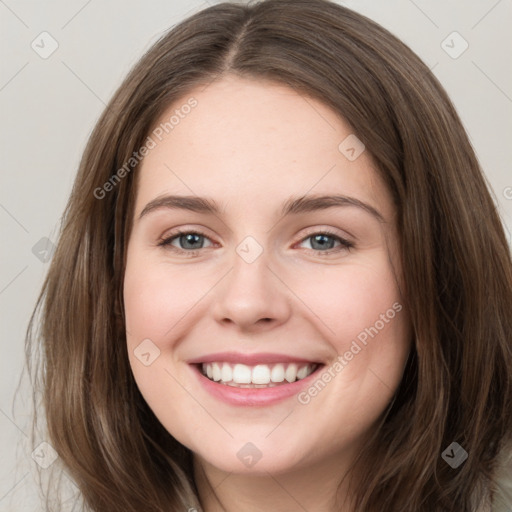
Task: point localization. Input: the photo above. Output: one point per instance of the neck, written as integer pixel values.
(315, 488)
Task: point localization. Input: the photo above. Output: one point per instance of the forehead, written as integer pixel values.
(254, 142)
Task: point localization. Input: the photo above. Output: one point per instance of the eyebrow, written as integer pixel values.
(292, 206)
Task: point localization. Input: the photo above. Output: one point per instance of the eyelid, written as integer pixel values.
(169, 236)
(165, 241)
(318, 229)
(345, 243)
(182, 230)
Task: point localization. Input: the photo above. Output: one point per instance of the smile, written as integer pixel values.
(256, 376)
(251, 380)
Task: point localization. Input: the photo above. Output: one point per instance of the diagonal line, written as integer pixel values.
(492, 81)
(15, 75)
(311, 105)
(196, 9)
(1, 1)
(83, 83)
(379, 379)
(275, 428)
(284, 489)
(433, 67)
(425, 14)
(74, 497)
(197, 302)
(307, 191)
(165, 165)
(13, 423)
(211, 492)
(13, 487)
(75, 15)
(485, 15)
(210, 489)
(199, 403)
(12, 280)
(217, 75)
(222, 481)
(300, 300)
(13, 218)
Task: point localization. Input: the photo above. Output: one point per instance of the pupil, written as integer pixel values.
(189, 239)
(321, 240)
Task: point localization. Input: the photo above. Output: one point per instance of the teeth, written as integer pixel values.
(259, 376)
(241, 374)
(226, 373)
(216, 372)
(277, 373)
(290, 373)
(302, 372)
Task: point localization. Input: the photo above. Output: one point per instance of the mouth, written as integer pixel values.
(254, 380)
(256, 376)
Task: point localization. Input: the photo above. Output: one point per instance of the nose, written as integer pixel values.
(252, 296)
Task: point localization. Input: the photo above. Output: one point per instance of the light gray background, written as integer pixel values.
(49, 107)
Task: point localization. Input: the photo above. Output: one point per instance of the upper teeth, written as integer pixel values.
(259, 374)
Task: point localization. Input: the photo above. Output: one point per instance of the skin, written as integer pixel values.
(251, 145)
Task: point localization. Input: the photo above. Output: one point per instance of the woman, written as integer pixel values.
(252, 371)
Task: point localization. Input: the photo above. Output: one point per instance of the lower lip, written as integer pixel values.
(253, 396)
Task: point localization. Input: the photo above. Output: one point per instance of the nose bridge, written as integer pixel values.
(251, 292)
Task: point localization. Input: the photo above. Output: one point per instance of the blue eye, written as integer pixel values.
(323, 242)
(190, 243)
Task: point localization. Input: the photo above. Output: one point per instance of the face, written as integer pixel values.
(265, 324)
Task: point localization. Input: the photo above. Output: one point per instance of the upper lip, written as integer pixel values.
(249, 359)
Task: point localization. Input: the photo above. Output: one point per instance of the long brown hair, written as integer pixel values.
(455, 259)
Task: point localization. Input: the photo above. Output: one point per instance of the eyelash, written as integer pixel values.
(166, 243)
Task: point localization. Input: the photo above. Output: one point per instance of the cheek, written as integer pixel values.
(349, 299)
(157, 297)
(160, 302)
(155, 302)
(361, 315)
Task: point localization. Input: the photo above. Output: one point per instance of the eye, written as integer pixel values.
(323, 242)
(189, 242)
